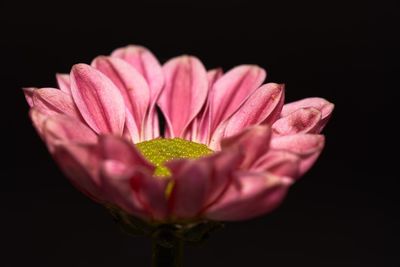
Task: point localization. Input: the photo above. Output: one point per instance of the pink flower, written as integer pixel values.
(230, 151)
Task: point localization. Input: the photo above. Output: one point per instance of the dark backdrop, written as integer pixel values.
(342, 213)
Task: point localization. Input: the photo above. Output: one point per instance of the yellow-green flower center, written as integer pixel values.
(159, 151)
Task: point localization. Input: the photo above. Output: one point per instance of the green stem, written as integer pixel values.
(167, 249)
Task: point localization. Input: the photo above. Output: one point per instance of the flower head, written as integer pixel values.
(229, 148)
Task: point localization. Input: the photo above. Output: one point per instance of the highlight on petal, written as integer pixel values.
(229, 91)
(63, 82)
(184, 94)
(306, 146)
(28, 93)
(52, 101)
(98, 100)
(133, 87)
(251, 195)
(213, 75)
(324, 106)
(304, 120)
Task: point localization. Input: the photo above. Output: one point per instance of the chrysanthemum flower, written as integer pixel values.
(229, 151)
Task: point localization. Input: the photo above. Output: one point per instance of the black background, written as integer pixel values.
(342, 213)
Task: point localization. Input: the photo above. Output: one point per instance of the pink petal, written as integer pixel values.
(146, 64)
(155, 128)
(116, 180)
(253, 143)
(213, 75)
(28, 93)
(80, 163)
(200, 183)
(306, 146)
(184, 93)
(304, 120)
(257, 109)
(38, 119)
(122, 161)
(190, 189)
(262, 107)
(64, 82)
(223, 164)
(121, 150)
(320, 104)
(52, 101)
(279, 163)
(151, 128)
(98, 100)
(151, 194)
(252, 195)
(62, 129)
(229, 91)
(131, 130)
(132, 85)
(200, 127)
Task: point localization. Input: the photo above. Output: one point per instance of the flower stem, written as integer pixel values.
(167, 249)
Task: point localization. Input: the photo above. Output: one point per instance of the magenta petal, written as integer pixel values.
(98, 100)
(304, 120)
(64, 82)
(80, 163)
(253, 143)
(229, 91)
(320, 104)
(52, 101)
(306, 146)
(62, 129)
(253, 194)
(130, 82)
(184, 94)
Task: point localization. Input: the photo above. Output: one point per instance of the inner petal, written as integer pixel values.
(159, 151)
